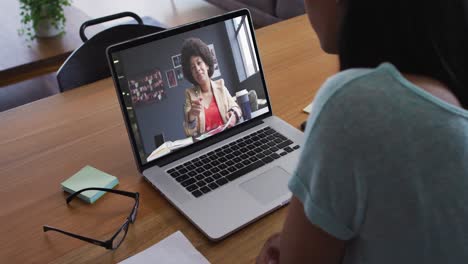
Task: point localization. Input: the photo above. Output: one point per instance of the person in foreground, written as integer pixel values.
(383, 176)
(208, 104)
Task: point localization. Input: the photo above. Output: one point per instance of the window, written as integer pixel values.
(244, 39)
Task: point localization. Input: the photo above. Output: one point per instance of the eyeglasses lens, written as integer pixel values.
(134, 213)
(120, 237)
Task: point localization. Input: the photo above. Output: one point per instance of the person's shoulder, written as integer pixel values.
(190, 90)
(218, 84)
(355, 98)
(350, 85)
(343, 80)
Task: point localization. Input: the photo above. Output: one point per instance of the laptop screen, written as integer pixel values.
(189, 85)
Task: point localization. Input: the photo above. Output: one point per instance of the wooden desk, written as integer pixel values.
(43, 143)
(22, 59)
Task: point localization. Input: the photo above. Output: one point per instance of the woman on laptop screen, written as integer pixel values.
(383, 175)
(208, 104)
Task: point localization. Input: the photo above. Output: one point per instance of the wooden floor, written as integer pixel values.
(169, 12)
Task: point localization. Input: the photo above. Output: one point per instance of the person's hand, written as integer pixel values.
(234, 119)
(270, 251)
(195, 109)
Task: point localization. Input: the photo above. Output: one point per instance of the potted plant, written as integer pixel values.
(42, 18)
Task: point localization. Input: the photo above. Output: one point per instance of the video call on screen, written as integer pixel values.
(168, 110)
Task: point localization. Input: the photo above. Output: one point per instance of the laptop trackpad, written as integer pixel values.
(268, 186)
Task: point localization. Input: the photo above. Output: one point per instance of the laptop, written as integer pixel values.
(222, 177)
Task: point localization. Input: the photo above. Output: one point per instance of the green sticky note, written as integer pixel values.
(89, 177)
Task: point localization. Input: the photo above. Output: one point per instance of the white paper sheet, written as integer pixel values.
(308, 108)
(216, 130)
(168, 146)
(174, 249)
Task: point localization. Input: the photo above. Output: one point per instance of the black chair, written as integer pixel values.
(88, 63)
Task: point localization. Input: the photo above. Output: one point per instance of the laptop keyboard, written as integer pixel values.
(231, 161)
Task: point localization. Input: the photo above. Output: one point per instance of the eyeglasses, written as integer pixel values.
(115, 241)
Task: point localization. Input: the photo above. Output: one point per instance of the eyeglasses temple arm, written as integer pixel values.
(129, 194)
(87, 239)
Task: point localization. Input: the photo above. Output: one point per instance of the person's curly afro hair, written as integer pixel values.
(195, 47)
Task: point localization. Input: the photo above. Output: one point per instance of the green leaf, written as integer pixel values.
(32, 11)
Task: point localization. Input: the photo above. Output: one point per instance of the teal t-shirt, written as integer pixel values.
(385, 166)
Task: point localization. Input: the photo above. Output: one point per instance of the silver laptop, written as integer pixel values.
(221, 177)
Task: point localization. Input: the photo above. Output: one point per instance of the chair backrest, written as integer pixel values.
(88, 63)
(252, 83)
